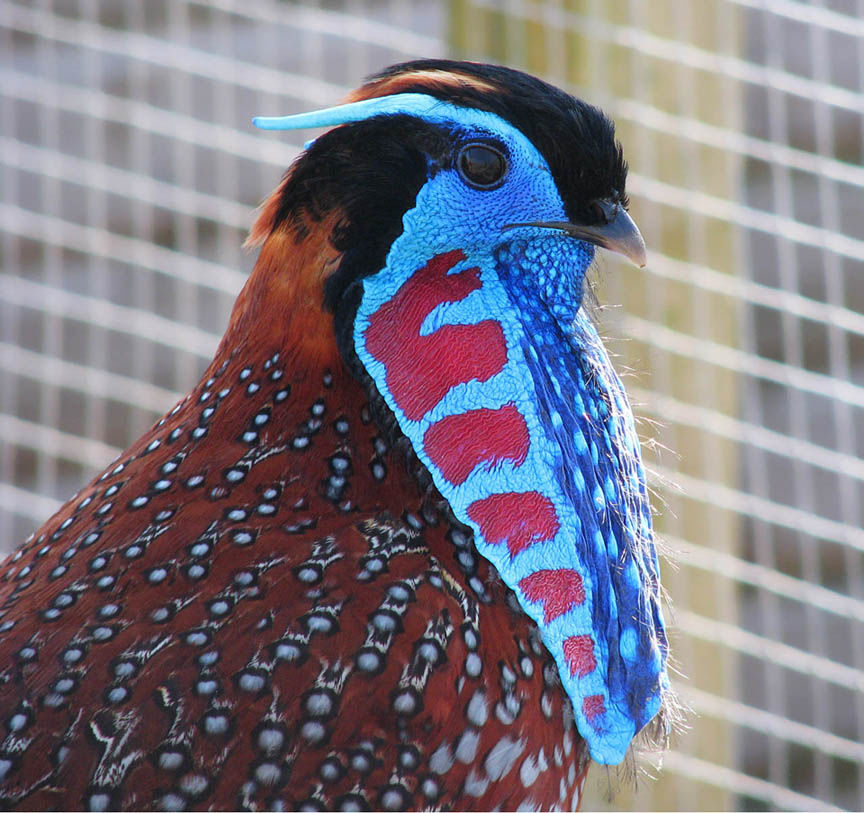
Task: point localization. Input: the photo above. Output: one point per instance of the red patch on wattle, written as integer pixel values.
(420, 370)
(579, 654)
(559, 590)
(457, 443)
(593, 706)
(519, 520)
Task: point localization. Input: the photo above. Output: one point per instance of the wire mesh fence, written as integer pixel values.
(128, 172)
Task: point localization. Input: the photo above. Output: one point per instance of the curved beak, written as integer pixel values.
(619, 233)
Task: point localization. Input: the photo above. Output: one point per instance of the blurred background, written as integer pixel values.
(128, 175)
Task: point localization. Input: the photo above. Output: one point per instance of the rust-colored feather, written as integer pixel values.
(260, 606)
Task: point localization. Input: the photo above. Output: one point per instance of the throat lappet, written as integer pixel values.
(525, 428)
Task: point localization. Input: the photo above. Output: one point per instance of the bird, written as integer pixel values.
(394, 550)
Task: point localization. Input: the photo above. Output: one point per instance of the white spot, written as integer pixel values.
(207, 687)
(317, 623)
(220, 607)
(383, 622)
(473, 664)
(475, 785)
(270, 740)
(124, 669)
(502, 757)
(361, 763)
(98, 801)
(466, 748)
(160, 614)
(118, 694)
(368, 661)
(216, 724)
(441, 760)
(529, 771)
(542, 763)
(170, 760)
(477, 711)
(288, 651)
(392, 800)
(251, 682)
(268, 773)
(193, 784)
(171, 801)
(428, 651)
(319, 704)
(470, 639)
(329, 771)
(17, 722)
(404, 703)
(313, 731)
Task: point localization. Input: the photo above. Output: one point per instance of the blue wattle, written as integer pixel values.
(599, 466)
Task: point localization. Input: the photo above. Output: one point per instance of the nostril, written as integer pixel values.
(604, 210)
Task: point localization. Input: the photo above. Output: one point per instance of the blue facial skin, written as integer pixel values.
(584, 453)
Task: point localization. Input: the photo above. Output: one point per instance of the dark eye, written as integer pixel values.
(481, 166)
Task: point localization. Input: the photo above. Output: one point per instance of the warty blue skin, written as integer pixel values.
(584, 452)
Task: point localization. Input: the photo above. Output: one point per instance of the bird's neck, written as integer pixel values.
(277, 398)
(281, 307)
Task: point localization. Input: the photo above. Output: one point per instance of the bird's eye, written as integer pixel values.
(482, 166)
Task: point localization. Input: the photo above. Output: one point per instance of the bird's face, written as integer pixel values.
(465, 314)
